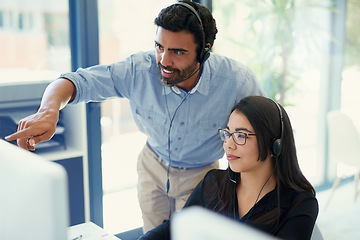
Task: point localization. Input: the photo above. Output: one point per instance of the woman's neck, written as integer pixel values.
(255, 184)
(252, 188)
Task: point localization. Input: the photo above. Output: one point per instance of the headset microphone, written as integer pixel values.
(171, 83)
(201, 58)
(204, 53)
(232, 180)
(276, 148)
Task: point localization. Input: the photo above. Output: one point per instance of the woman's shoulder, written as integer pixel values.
(301, 202)
(213, 178)
(215, 173)
(293, 195)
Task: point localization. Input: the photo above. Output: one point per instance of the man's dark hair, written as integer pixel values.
(176, 18)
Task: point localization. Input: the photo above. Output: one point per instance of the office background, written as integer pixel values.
(305, 54)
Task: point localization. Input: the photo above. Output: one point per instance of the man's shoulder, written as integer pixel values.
(144, 56)
(219, 62)
(221, 58)
(224, 68)
(143, 61)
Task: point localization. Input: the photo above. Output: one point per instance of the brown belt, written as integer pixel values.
(162, 161)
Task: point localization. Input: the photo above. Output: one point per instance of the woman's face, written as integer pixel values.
(241, 158)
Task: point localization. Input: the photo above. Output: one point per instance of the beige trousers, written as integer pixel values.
(154, 201)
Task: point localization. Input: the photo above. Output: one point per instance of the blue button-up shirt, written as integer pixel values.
(181, 126)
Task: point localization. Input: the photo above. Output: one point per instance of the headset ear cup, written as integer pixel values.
(204, 55)
(276, 147)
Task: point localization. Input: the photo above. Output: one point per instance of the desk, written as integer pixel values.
(88, 231)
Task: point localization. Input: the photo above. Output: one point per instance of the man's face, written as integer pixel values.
(176, 56)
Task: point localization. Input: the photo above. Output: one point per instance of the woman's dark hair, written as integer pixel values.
(176, 18)
(264, 116)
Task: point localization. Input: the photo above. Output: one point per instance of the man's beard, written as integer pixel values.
(180, 75)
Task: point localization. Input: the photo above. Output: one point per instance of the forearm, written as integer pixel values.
(41, 126)
(57, 95)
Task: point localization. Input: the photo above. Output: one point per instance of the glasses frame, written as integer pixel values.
(232, 135)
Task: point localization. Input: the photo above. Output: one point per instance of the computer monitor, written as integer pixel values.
(33, 196)
(196, 223)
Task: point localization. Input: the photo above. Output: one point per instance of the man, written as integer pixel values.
(180, 95)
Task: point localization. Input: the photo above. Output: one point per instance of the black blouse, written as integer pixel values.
(298, 210)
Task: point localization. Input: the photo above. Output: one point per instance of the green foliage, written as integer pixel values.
(273, 31)
(352, 47)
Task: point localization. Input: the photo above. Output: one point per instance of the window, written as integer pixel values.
(350, 88)
(27, 37)
(290, 45)
(1, 19)
(124, 28)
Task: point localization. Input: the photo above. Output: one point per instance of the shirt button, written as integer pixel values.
(182, 123)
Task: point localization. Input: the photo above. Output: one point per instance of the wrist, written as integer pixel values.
(50, 113)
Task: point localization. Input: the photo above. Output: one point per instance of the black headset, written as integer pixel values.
(276, 143)
(276, 147)
(201, 57)
(204, 51)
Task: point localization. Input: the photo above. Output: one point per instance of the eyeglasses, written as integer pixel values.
(238, 137)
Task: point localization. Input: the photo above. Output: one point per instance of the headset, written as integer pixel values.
(204, 51)
(276, 148)
(201, 58)
(276, 143)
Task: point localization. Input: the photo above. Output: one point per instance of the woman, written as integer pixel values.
(263, 186)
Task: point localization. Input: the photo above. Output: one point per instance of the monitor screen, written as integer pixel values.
(197, 223)
(33, 196)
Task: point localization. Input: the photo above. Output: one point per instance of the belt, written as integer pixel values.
(162, 161)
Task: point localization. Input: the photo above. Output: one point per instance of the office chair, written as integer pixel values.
(316, 234)
(344, 147)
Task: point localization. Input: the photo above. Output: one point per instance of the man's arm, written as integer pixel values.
(41, 126)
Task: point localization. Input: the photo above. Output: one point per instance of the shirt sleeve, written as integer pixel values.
(101, 82)
(93, 84)
(250, 86)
